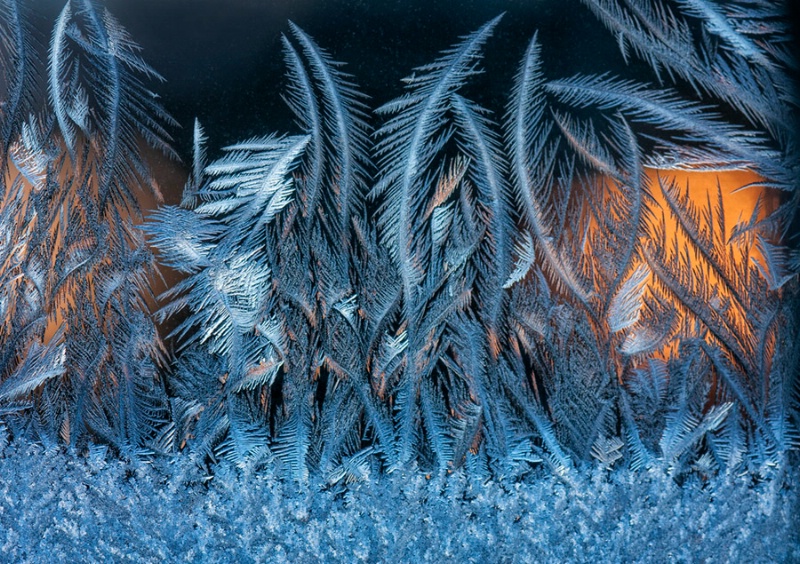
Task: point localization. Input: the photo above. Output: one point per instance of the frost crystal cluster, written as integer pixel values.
(471, 290)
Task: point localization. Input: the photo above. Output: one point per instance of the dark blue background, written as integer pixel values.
(223, 60)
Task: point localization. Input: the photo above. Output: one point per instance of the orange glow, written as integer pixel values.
(165, 172)
(742, 193)
(719, 284)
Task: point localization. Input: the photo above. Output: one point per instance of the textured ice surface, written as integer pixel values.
(59, 508)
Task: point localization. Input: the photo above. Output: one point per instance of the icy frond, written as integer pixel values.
(624, 309)
(337, 119)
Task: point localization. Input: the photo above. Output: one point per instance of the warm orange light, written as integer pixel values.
(676, 287)
(717, 278)
(741, 192)
(166, 170)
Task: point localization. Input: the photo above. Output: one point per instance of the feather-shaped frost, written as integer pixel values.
(526, 137)
(624, 309)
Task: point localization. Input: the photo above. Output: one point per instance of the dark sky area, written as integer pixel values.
(223, 60)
